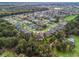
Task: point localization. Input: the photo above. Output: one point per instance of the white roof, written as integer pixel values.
(71, 39)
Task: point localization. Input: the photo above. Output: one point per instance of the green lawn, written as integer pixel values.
(70, 18)
(8, 53)
(74, 53)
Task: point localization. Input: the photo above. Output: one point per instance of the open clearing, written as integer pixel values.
(70, 18)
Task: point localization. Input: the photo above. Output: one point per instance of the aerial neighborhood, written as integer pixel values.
(39, 29)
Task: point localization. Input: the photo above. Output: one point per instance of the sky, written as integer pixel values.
(39, 0)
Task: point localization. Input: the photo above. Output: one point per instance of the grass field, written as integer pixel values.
(70, 18)
(8, 53)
